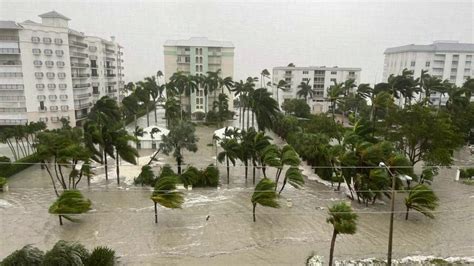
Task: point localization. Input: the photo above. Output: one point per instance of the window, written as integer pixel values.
(42, 107)
(52, 97)
(197, 68)
(351, 73)
(333, 80)
(319, 72)
(62, 86)
(94, 72)
(35, 39)
(95, 90)
(51, 86)
(412, 63)
(39, 75)
(93, 48)
(61, 75)
(64, 107)
(94, 63)
(197, 50)
(200, 68)
(187, 59)
(50, 75)
(333, 72)
(427, 64)
(43, 119)
(59, 52)
(36, 51)
(48, 51)
(37, 63)
(40, 86)
(58, 41)
(53, 108)
(41, 97)
(54, 119)
(287, 72)
(60, 64)
(46, 40)
(49, 63)
(305, 79)
(186, 49)
(320, 79)
(63, 96)
(305, 72)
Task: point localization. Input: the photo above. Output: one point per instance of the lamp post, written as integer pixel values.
(392, 208)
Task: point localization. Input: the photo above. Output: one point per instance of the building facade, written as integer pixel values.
(197, 56)
(49, 71)
(448, 60)
(319, 78)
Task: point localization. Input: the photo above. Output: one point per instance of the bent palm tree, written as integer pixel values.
(344, 222)
(166, 195)
(264, 195)
(305, 90)
(70, 202)
(293, 176)
(422, 199)
(230, 153)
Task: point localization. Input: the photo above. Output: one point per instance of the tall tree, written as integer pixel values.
(229, 154)
(343, 220)
(182, 136)
(421, 198)
(305, 90)
(264, 195)
(166, 195)
(265, 109)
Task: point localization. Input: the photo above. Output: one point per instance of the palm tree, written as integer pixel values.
(305, 90)
(264, 195)
(130, 106)
(287, 156)
(230, 153)
(143, 94)
(265, 109)
(249, 98)
(166, 195)
(70, 202)
(421, 198)
(182, 136)
(264, 74)
(172, 111)
(239, 90)
(344, 222)
(294, 177)
(281, 85)
(334, 93)
(154, 90)
(121, 139)
(221, 108)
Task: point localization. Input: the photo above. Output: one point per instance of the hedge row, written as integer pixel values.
(7, 170)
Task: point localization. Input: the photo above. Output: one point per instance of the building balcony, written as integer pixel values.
(112, 91)
(109, 59)
(112, 83)
(79, 65)
(9, 51)
(110, 67)
(12, 98)
(13, 122)
(82, 96)
(10, 63)
(80, 116)
(80, 76)
(79, 55)
(82, 106)
(9, 39)
(84, 85)
(109, 51)
(78, 44)
(110, 75)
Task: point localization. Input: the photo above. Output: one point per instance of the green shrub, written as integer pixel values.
(209, 177)
(190, 176)
(65, 253)
(146, 177)
(8, 170)
(3, 182)
(28, 255)
(199, 115)
(101, 256)
(466, 173)
(166, 171)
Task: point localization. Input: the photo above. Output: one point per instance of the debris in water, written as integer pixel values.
(207, 218)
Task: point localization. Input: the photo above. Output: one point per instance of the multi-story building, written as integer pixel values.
(319, 78)
(49, 71)
(197, 56)
(448, 60)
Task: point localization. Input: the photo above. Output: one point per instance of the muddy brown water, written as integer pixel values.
(122, 218)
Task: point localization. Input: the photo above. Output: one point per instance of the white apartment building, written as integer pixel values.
(448, 60)
(197, 56)
(49, 71)
(320, 79)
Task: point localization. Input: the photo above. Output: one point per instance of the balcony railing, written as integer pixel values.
(110, 59)
(79, 65)
(81, 115)
(112, 91)
(109, 51)
(9, 50)
(110, 75)
(80, 75)
(110, 67)
(10, 63)
(81, 55)
(112, 83)
(9, 38)
(76, 43)
(82, 96)
(11, 98)
(11, 122)
(85, 85)
(82, 105)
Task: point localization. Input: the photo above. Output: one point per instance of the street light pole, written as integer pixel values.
(392, 209)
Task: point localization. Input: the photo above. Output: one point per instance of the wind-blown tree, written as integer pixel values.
(27, 255)
(305, 90)
(281, 85)
(264, 195)
(265, 109)
(239, 90)
(343, 220)
(166, 195)
(70, 202)
(142, 92)
(229, 154)
(294, 177)
(65, 253)
(421, 198)
(221, 109)
(172, 111)
(265, 74)
(130, 107)
(121, 142)
(182, 136)
(249, 99)
(257, 142)
(155, 91)
(335, 92)
(296, 107)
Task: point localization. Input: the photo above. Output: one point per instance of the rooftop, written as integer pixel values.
(335, 68)
(437, 46)
(9, 25)
(199, 42)
(53, 14)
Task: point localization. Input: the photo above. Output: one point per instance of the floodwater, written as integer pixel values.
(123, 219)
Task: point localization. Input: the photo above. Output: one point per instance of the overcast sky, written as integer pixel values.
(266, 33)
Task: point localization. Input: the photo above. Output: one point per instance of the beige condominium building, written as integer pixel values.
(197, 56)
(49, 71)
(448, 60)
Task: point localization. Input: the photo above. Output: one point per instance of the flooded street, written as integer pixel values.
(122, 218)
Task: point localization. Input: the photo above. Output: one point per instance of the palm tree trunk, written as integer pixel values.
(254, 218)
(248, 118)
(406, 215)
(154, 107)
(253, 119)
(253, 170)
(147, 116)
(246, 171)
(117, 166)
(331, 251)
(240, 115)
(106, 166)
(277, 177)
(283, 186)
(227, 161)
(156, 214)
(60, 220)
(179, 165)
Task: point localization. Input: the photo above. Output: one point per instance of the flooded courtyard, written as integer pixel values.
(123, 219)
